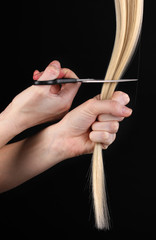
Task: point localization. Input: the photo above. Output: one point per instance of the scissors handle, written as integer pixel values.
(56, 81)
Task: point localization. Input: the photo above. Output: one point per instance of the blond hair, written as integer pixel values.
(129, 15)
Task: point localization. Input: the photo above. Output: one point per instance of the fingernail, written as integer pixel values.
(126, 110)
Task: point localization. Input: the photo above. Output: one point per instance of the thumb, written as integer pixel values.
(51, 72)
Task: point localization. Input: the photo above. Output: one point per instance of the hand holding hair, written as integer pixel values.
(80, 128)
(74, 135)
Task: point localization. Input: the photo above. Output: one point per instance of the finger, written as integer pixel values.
(54, 89)
(109, 117)
(118, 96)
(104, 146)
(68, 90)
(102, 137)
(96, 107)
(97, 97)
(37, 74)
(121, 97)
(51, 72)
(111, 127)
(67, 73)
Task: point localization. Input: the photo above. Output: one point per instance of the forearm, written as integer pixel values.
(8, 125)
(25, 159)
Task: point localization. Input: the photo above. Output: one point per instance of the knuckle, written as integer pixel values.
(91, 105)
(115, 104)
(105, 137)
(116, 95)
(126, 97)
(97, 97)
(52, 71)
(69, 73)
(116, 107)
(91, 101)
(114, 126)
(121, 97)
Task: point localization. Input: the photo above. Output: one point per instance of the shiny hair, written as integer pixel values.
(129, 15)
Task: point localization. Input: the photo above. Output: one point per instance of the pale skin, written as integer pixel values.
(39, 104)
(75, 134)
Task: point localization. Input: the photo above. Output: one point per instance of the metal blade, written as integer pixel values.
(90, 80)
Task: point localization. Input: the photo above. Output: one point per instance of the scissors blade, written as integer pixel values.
(74, 80)
(90, 80)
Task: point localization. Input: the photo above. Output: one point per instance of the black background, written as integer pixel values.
(57, 203)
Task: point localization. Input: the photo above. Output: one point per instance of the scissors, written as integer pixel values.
(75, 80)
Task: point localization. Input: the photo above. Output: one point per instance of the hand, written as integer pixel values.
(38, 104)
(93, 121)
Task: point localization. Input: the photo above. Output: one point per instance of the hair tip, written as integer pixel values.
(102, 227)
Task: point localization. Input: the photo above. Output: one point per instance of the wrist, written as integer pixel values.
(56, 143)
